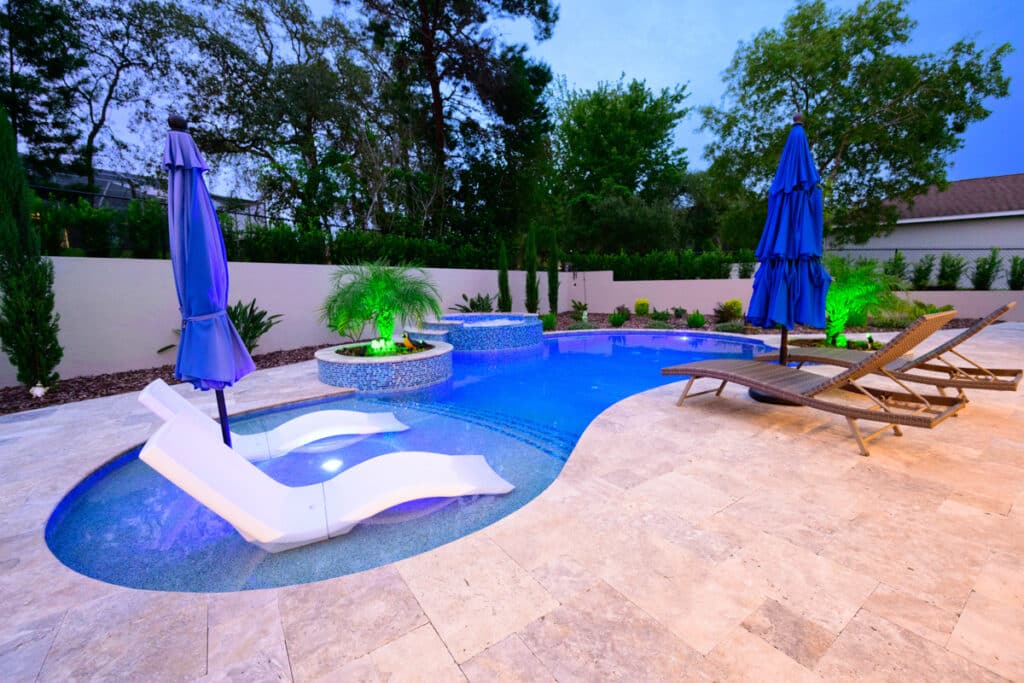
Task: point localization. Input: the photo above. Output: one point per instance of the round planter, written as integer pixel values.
(385, 373)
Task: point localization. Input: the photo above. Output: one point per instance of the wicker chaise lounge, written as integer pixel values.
(894, 407)
(928, 368)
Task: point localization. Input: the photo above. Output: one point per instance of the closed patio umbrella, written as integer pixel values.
(791, 284)
(211, 355)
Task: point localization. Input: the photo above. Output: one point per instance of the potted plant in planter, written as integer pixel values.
(379, 294)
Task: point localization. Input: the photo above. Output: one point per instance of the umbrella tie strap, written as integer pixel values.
(204, 316)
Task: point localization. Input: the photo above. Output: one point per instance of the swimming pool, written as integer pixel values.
(522, 409)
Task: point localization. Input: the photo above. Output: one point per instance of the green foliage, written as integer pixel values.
(548, 321)
(748, 263)
(729, 311)
(28, 324)
(734, 326)
(1015, 280)
(986, 269)
(882, 120)
(553, 274)
(896, 267)
(42, 53)
(679, 312)
(623, 310)
(951, 269)
(695, 320)
(377, 293)
(481, 303)
(662, 316)
(897, 313)
(583, 325)
(642, 306)
(578, 309)
(146, 228)
(617, 319)
(658, 325)
(857, 288)
(504, 293)
(922, 274)
(618, 166)
(252, 322)
(530, 261)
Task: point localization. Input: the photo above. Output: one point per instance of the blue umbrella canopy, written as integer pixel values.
(211, 355)
(791, 285)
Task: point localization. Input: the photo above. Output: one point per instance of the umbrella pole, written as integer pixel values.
(783, 344)
(222, 410)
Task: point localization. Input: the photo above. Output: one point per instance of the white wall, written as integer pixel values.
(970, 239)
(116, 313)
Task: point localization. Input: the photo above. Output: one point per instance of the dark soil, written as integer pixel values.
(16, 399)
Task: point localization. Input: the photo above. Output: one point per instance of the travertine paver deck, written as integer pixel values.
(727, 540)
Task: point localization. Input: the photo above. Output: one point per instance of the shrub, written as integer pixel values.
(660, 316)
(28, 324)
(504, 294)
(623, 310)
(922, 273)
(951, 268)
(583, 325)
(252, 322)
(658, 325)
(481, 303)
(897, 313)
(553, 274)
(642, 306)
(695, 319)
(579, 308)
(617, 319)
(747, 262)
(679, 312)
(729, 311)
(986, 269)
(548, 321)
(530, 261)
(377, 293)
(896, 267)
(1016, 278)
(857, 289)
(734, 326)
(746, 270)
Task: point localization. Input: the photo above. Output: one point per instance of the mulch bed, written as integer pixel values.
(16, 399)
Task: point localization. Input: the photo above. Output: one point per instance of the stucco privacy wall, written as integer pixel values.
(969, 238)
(116, 313)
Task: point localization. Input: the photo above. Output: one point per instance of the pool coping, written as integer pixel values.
(52, 621)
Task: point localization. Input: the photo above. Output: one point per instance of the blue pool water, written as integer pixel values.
(523, 410)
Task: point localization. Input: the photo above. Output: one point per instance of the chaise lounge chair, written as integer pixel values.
(278, 517)
(910, 409)
(944, 373)
(167, 403)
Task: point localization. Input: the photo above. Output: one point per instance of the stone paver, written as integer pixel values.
(726, 540)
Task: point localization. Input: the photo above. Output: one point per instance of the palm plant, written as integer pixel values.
(378, 293)
(857, 288)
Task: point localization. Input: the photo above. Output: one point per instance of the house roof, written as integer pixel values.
(977, 196)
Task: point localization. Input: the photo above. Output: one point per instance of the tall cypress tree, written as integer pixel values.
(28, 325)
(553, 273)
(530, 258)
(504, 294)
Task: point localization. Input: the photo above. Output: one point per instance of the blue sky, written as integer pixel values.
(667, 42)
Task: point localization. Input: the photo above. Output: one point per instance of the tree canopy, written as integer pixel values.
(881, 121)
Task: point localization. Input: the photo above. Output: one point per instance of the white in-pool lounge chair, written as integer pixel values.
(277, 517)
(167, 403)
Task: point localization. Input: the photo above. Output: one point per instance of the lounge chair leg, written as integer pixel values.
(682, 396)
(720, 387)
(856, 434)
